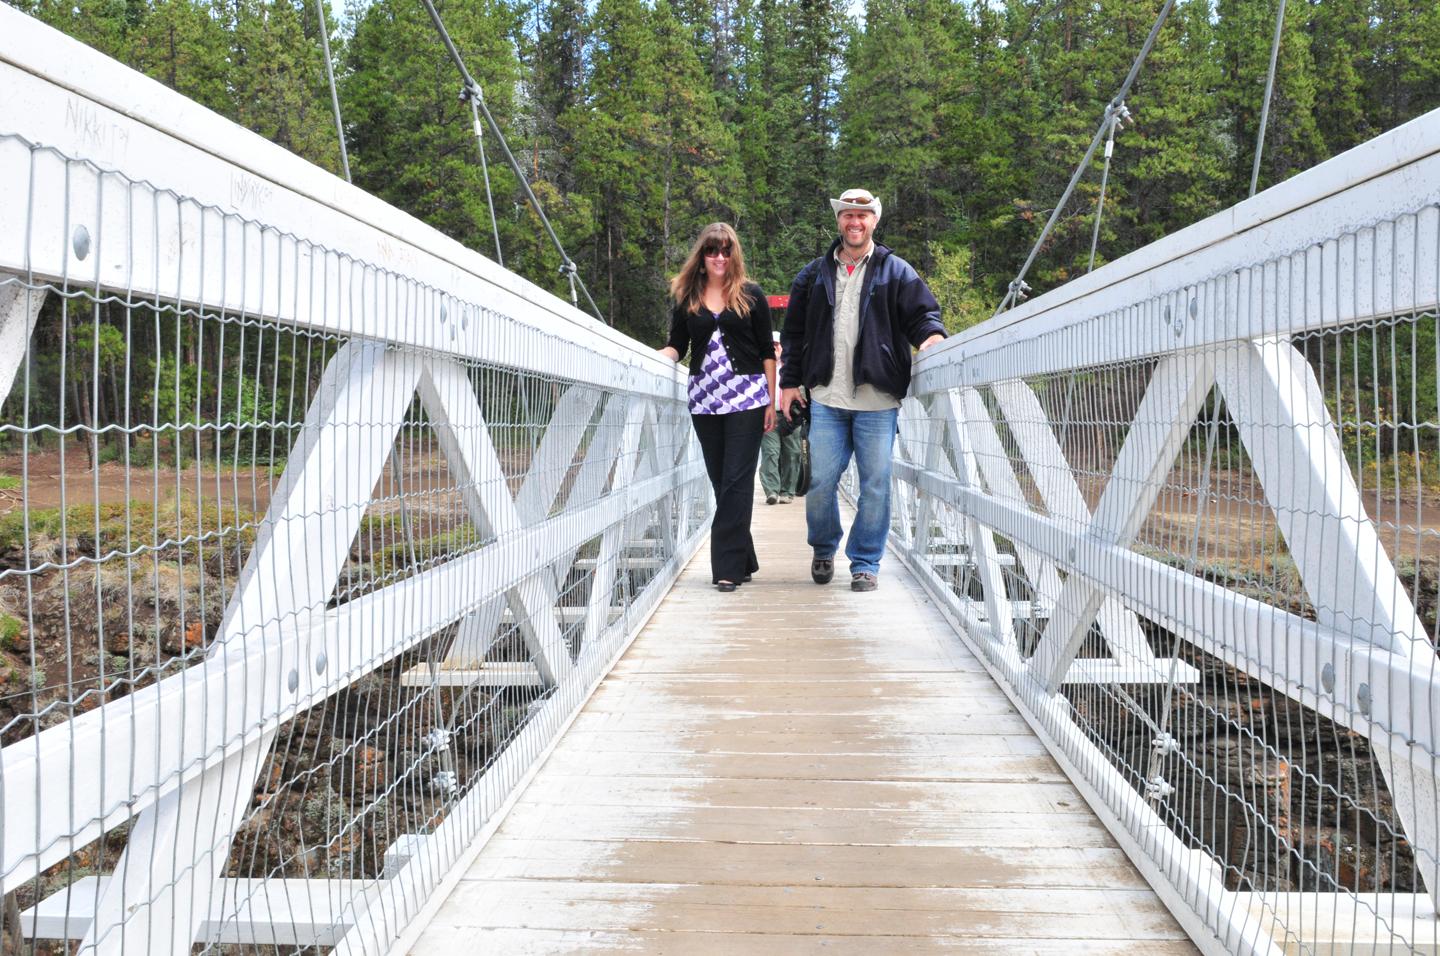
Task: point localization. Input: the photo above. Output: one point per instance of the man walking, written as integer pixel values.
(855, 312)
(780, 456)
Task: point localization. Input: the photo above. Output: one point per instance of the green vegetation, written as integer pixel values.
(395, 556)
(85, 529)
(640, 120)
(12, 634)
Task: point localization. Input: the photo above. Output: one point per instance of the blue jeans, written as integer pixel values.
(836, 434)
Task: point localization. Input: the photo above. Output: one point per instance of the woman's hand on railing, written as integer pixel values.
(670, 353)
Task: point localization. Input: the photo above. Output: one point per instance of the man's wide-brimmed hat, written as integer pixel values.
(861, 199)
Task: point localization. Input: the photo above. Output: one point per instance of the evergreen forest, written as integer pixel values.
(638, 121)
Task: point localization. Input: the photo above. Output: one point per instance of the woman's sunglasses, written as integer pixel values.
(712, 252)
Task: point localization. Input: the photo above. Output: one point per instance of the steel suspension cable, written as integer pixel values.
(485, 172)
(1269, 89)
(407, 525)
(1119, 117)
(1017, 285)
(334, 96)
(471, 90)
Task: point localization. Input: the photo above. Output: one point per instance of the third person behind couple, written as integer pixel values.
(780, 455)
(855, 313)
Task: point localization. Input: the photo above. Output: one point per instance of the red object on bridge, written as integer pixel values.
(778, 301)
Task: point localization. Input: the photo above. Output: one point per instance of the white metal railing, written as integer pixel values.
(320, 527)
(1182, 507)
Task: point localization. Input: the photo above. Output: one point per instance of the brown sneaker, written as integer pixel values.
(822, 570)
(864, 581)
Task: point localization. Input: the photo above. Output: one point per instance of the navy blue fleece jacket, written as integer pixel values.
(897, 311)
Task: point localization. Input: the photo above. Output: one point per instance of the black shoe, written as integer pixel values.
(822, 570)
(746, 579)
(864, 581)
(771, 499)
(726, 586)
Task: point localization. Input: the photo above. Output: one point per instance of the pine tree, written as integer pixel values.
(1343, 48)
(411, 136)
(102, 24)
(897, 112)
(1293, 143)
(806, 126)
(997, 117)
(1169, 168)
(768, 111)
(183, 44)
(557, 85)
(716, 28)
(652, 156)
(1403, 81)
(277, 79)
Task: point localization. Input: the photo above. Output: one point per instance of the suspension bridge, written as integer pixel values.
(373, 627)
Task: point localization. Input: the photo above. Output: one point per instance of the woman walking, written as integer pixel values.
(732, 386)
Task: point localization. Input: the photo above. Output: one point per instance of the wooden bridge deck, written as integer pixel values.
(795, 769)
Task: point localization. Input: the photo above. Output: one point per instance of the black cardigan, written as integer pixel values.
(748, 341)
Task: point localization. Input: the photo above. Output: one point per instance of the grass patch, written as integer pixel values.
(10, 482)
(12, 633)
(88, 529)
(395, 557)
(1405, 472)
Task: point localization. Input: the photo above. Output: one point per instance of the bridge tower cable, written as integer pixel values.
(1269, 89)
(407, 524)
(1017, 288)
(471, 92)
(334, 94)
(485, 173)
(1116, 121)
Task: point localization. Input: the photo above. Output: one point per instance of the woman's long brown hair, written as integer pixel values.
(688, 286)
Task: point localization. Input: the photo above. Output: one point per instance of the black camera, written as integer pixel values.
(799, 419)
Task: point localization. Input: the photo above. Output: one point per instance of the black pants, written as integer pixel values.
(731, 445)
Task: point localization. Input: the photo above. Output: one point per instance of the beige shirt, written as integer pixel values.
(842, 392)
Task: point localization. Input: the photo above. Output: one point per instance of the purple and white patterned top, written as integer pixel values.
(718, 390)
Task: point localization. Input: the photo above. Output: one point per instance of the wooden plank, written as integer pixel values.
(836, 743)
(818, 826)
(540, 942)
(1080, 914)
(982, 702)
(753, 864)
(870, 685)
(750, 663)
(796, 769)
(836, 794)
(741, 724)
(882, 687)
(976, 768)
